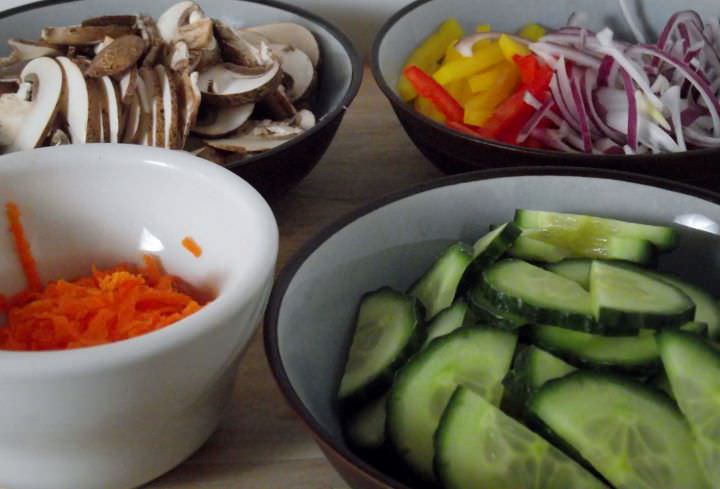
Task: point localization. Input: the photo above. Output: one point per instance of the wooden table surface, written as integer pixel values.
(261, 444)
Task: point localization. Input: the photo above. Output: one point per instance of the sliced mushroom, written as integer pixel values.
(133, 113)
(44, 79)
(144, 133)
(128, 85)
(211, 154)
(277, 105)
(155, 91)
(13, 110)
(220, 122)
(75, 103)
(305, 119)
(197, 35)
(8, 87)
(94, 124)
(238, 48)
(118, 57)
(264, 136)
(291, 34)
(298, 66)
(113, 109)
(170, 107)
(178, 57)
(225, 85)
(105, 20)
(189, 98)
(79, 35)
(175, 17)
(151, 35)
(28, 50)
(59, 138)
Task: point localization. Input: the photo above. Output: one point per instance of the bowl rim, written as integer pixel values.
(238, 293)
(296, 261)
(400, 104)
(354, 57)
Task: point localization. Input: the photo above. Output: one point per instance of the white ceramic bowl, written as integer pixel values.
(118, 415)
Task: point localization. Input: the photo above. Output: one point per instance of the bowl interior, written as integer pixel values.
(102, 204)
(335, 71)
(409, 27)
(393, 245)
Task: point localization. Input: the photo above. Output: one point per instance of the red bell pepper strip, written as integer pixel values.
(436, 93)
(535, 76)
(509, 116)
(464, 128)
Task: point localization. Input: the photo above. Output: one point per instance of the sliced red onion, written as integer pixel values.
(567, 52)
(698, 138)
(606, 64)
(671, 99)
(530, 99)
(629, 66)
(701, 85)
(582, 116)
(532, 123)
(632, 125)
(589, 100)
(660, 84)
(553, 139)
(671, 24)
(608, 147)
(691, 114)
(631, 21)
(465, 45)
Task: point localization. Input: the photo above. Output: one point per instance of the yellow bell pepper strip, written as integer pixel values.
(464, 67)
(532, 32)
(460, 90)
(482, 81)
(477, 117)
(429, 54)
(451, 54)
(505, 84)
(510, 48)
(428, 109)
(429, 88)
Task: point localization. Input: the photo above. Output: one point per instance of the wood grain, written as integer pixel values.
(260, 443)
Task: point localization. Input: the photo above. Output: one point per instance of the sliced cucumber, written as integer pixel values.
(575, 269)
(531, 249)
(661, 383)
(633, 354)
(447, 321)
(475, 357)
(387, 332)
(478, 446)
(582, 230)
(631, 434)
(693, 368)
(493, 245)
(366, 427)
(437, 287)
(537, 295)
(706, 308)
(626, 298)
(487, 313)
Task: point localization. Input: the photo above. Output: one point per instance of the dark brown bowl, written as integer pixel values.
(340, 72)
(309, 320)
(454, 152)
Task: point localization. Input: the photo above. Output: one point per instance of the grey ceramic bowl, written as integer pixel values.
(340, 71)
(454, 152)
(308, 324)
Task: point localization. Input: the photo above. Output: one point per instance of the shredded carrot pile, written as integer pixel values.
(192, 246)
(109, 305)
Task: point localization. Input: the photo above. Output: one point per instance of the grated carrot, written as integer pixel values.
(192, 246)
(109, 305)
(32, 277)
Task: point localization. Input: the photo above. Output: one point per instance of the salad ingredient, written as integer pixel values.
(634, 436)
(387, 332)
(191, 245)
(478, 445)
(475, 357)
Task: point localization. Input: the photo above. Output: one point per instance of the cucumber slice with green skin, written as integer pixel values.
(387, 332)
(487, 313)
(447, 321)
(366, 427)
(633, 435)
(626, 298)
(493, 245)
(527, 248)
(437, 287)
(707, 309)
(478, 358)
(582, 229)
(661, 383)
(693, 368)
(537, 295)
(575, 269)
(479, 446)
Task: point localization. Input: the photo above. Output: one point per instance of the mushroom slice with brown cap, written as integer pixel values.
(28, 50)
(264, 136)
(144, 134)
(198, 35)
(79, 35)
(189, 98)
(170, 107)
(113, 112)
(239, 48)
(227, 84)
(298, 66)
(46, 78)
(219, 122)
(277, 105)
(94, 125)
(117, 57)
(175, 17)
(155, 91)
(128, 85)
(178, 57)
(59, 138)
(75, 105)
(105, 20)
(211, 154)
(133, 114)
(291, 34)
